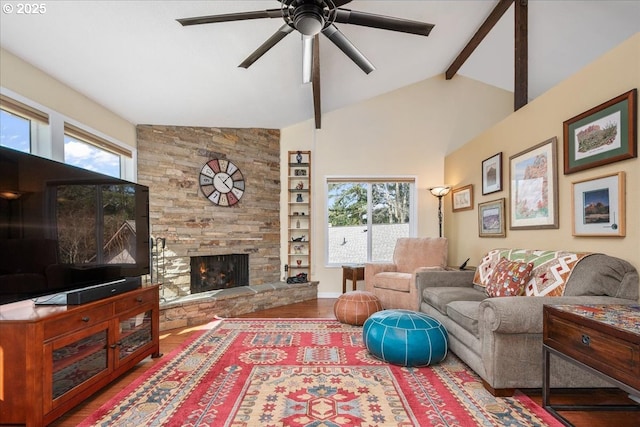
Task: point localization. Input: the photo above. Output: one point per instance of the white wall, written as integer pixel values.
(24, 79)
(406, 132)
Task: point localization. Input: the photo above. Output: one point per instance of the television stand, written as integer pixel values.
(57, 356)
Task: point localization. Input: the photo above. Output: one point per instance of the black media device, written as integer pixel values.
(68, 230)
(91, 293)
(464, 264)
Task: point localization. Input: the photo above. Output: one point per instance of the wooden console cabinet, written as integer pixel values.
(602, 339)
(53, 357)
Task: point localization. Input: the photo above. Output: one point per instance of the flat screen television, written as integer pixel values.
(63, 227)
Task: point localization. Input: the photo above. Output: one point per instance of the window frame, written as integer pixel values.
(413, 207)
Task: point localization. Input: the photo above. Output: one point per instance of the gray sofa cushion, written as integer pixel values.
(440, 297)
(465, 314)
(599, 274)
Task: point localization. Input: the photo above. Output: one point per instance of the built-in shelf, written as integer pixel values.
(299, 186)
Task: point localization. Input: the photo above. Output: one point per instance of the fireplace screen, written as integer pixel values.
(219, 272)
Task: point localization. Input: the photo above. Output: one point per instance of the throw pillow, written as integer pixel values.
(509, 278)
(486, 266)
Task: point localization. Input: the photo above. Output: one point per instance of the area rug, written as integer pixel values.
(305, 373)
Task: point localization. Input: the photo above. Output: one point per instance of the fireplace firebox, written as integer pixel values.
(219, 272)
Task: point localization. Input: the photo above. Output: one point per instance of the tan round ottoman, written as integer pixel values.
(355, 307)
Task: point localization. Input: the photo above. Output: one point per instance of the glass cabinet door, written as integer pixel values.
(78, 361)
(134, 333)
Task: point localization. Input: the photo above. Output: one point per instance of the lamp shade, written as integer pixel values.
(440, 190)
(10, 194)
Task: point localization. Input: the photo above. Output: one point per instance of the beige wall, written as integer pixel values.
(403, 133)
(24, 79)
(616, 72)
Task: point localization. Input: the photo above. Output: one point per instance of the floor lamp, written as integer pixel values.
(439, 192)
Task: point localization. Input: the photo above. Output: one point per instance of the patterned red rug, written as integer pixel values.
(305, 373)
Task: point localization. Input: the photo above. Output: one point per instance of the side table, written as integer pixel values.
(601, 339)
(353, 272)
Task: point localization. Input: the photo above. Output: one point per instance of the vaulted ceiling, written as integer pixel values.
(134, 58)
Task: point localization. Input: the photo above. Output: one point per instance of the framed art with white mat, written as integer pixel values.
(598, 206)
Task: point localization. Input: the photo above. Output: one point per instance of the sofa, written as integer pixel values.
(500, 337)
(394, 282)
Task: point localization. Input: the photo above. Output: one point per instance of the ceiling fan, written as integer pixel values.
(310, 18)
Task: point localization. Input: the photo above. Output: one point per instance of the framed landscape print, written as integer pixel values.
(604, 134)
(599, 206)
(492, 174)
(462, 198)
(533, 179)
(491, 219)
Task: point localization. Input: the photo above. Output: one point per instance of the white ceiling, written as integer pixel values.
(135, 59)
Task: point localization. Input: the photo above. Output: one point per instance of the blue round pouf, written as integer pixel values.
(405, 338)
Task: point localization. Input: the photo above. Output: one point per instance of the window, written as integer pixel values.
(16, 132)
(91, 152)
(351, 236)
(31, 128)
(20, 125)
(84, 155)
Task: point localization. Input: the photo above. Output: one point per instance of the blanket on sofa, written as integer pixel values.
(551, 269)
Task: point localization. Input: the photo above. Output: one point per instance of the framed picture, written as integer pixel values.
(604, 134)
(533, 178)
(462, 198)
(492, 174)
(599, 206)
(491, 219)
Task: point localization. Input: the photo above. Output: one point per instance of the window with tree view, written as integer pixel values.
(366, 217)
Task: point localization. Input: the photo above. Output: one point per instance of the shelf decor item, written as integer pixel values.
(492, 174)
(462, 198)
(598, 206)
(491, 219)
(604, 134)
(534, 187)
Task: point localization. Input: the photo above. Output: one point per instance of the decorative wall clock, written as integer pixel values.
(221, 182)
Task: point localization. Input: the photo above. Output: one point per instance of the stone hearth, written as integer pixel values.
(204, 307)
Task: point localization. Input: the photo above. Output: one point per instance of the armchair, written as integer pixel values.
(394, 283)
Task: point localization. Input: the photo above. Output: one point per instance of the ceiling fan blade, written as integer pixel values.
(238, 16)
(348, 48)
(346, 16)
(315, 80)
(271, 42)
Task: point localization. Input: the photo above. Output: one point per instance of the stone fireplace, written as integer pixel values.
(188, 225)
(213, 272)
(170, 159)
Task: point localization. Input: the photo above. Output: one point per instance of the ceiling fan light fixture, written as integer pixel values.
(308, 19)
(307, 58)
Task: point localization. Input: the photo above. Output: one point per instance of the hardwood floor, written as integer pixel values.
(323, 308)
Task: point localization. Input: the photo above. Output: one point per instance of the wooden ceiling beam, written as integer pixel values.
(487, 25)
(521, 56)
